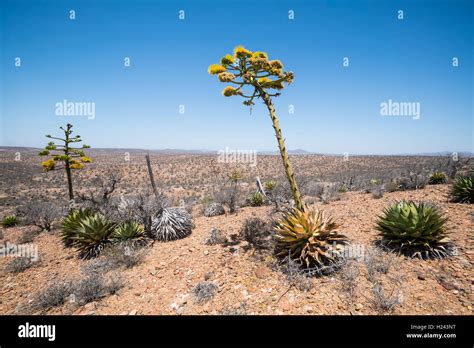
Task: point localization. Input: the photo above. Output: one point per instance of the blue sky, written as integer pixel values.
(337, 109)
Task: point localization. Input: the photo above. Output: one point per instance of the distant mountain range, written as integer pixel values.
(210, 152)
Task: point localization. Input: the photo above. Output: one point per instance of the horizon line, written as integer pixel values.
(293, 152)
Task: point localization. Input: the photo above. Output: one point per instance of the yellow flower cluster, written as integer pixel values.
(215, 69)
(259, 54)
(48, 165)
(227, 59)
(229, 91)
(267, 83)
(264, 80)
(76, 165)
(240, 52)
(85, 159)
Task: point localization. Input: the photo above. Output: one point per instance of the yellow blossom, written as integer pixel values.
(215, 69)
(76, 165)
(227, 59)
(264, 80)
(229, 91)
(259, 54)
(48, 165)
(85, 159)
(241, 52)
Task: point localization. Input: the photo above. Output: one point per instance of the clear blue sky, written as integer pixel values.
(337, 109)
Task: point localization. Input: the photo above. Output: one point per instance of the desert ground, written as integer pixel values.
(189, 276)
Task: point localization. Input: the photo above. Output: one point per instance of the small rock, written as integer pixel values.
(133, 312)
(359, 306)
(206, 252)
(421, 276)
(455, 292)
(261, 272)
(308, 309)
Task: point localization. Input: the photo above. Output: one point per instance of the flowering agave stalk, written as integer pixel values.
(71, 157)
(254, 76)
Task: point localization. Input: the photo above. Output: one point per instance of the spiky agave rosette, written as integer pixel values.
(92, 235)
(171, 224)
(310, 238)
(131, 234)
(462, 190)
(71, 223)
(415, 230)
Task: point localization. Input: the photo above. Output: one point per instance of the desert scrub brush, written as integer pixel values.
(214, 209)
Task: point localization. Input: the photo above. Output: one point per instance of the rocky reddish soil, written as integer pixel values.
(247, 281)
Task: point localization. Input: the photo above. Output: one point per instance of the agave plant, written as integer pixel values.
(463, 189)
(9, 221)
(92, 235)
(171, 224)
(256, 199)
(414, 229)
(311, 238)
(437, 178)
(71, 225)
(214, 209)
(130, 232)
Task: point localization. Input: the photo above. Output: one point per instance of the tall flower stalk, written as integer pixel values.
(252, 75)
(64, 156)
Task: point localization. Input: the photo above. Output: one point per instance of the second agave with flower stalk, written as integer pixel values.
(303, 234)
(64, 152)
